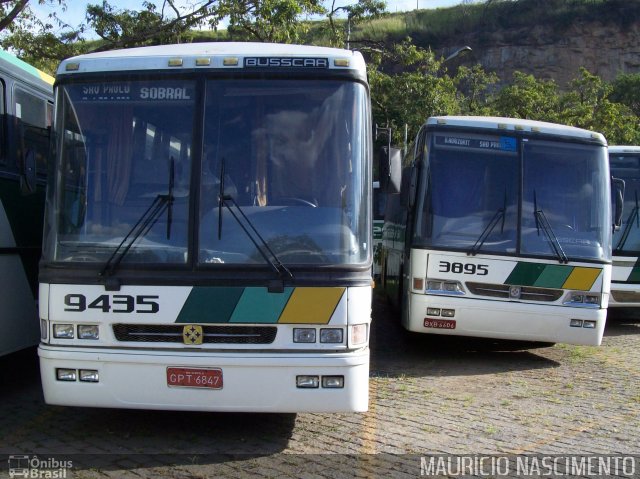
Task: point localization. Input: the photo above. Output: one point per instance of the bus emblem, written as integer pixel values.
(192, 334)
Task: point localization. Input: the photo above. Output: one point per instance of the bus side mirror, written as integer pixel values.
(391, 169)
(617, 186)
(28, 175)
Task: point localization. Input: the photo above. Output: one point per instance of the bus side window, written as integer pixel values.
(3, 126)
(33, 116)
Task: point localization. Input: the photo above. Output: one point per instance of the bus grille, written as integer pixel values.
(527, 293)
(172, 333)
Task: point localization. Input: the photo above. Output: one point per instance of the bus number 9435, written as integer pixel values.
(118, 303)
(463, 268)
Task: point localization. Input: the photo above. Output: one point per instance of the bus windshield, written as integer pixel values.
(283, 159)
(475, 186)
(627, 167)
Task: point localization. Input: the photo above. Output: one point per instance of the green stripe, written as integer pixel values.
(26, 67)
(553, 276)
(525, 274)
(210, 305)
(257, 305)
(635, 272)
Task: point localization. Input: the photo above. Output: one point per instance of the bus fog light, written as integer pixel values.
(433, 311)
(331, 335)
(309, 382)
(359, 334)
(575, 323)
(335, 382)
(63, 331)
(448, 313)
(304, 335)
(63, 374)
(589, 324)
(89, 376)
(88, 331)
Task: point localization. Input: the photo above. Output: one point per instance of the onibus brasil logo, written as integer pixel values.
(35, 467)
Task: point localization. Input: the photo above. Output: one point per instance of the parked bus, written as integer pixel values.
(624, 162)
(502, 230)
(26, 102)
(208, 230)
(379, 199)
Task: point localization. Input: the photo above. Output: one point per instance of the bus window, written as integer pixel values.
(34, 114)
(3, 146)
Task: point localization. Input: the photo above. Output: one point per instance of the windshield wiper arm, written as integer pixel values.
(278, 267)
(541, 221)
(144, 224)
(172, 174)
(497, 216)
(633, 216)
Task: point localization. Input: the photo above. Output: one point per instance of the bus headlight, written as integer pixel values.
(63, 331)
(88, 331)
(331, 335)
(304, 335)
(444, 287)
(583, 299)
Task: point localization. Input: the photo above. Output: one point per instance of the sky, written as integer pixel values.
(74, 15)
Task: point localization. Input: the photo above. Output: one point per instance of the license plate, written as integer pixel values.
(440, 323)
(208, 378)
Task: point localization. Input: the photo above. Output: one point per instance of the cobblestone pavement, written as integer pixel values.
(429, 395)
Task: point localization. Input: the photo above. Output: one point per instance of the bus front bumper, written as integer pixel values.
(250, 382)
(624, 295)
(507, 320)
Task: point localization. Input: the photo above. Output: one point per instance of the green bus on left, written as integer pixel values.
(26, 107)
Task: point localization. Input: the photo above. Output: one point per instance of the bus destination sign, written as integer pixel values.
(503, 143)
(135, 92)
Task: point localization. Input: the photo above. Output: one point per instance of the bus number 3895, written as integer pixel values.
(463, 268)
(118, 303)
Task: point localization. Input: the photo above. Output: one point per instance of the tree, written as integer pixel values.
(626, 90)
(473, 85)
(587, 105)
(356, 13)
(528, 98)
(29, 37)
(269, 20)
(421, 89)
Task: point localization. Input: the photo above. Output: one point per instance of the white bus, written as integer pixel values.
(26, 103)
(624, 162)
(208, 230)
(502, 230)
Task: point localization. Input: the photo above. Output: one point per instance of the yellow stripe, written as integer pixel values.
(581, 278)
(46, 77)
(311, 305)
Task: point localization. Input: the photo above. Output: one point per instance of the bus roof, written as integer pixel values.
(22, 70)
(618, 149)
(214, 55)
(518, 125)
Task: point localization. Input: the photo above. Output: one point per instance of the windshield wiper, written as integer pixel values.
(500, 214)
(633, 216)
(142, 227)
(278, 267)
(541, 221)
